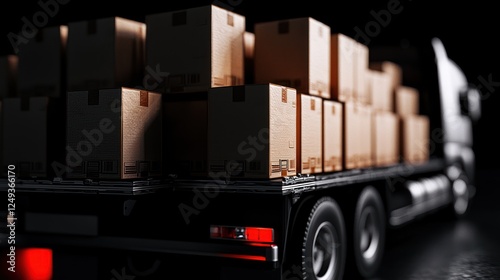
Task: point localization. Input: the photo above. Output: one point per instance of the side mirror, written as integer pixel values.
(470, 103)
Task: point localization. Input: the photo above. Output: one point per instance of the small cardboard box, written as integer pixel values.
(185, 127)
(342, 67)
(310, 134)
(294, 53)
(332, 136)
(42, 63)
(200, 48)
(249, 55)
(33, 136)
(252, 131)
(357, 135)
(361, 61)
(114, 134)
(415, 138)
(386, 138)
(8, 76)
(392, 69)
(105, 53)
(380, 93)
(407, 101)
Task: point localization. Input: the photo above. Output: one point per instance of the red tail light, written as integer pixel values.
(252, 234)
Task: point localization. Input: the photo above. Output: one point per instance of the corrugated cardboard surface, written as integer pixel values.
(185, 134)
(141, 132)
(42, 64)
(360, 69)
(332, 136)
(254, 127)
(105, 53)
(406, 101)
(310, 129)
(8, 76)
(200, 48)
(394, 70)
(124, 135)
(85, 125)
(415, 138)
(357, 135)
(380, 94)
(295, 53)
(386, 138)
(342, 67)
(366, 135)
(25, 135)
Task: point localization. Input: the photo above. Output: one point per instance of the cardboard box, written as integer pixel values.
(33, 136)
(42, 63)
(357, 135)
(252, 131)
(380, 94)
(415, 138)
(406, 101)
(249, 55)
(294, 53)
(392, 69)
(106, 53)
(200, 48)
(114, 134)
(386, 138)
(185, 127)
(310, 134)
(360, 73)
(332, 136)
(8, 76)
(342, 67)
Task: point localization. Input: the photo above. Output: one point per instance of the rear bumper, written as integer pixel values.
(257, 252)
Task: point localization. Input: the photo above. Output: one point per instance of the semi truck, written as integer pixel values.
(306, 226)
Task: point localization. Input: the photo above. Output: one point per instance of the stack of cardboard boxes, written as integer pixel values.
(192, 93)
(114, 124)
(33, 112)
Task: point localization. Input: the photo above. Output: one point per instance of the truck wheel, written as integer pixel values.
(324, 243)
(369, 232)
(459, 191)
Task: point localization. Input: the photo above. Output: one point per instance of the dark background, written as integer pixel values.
(468, 31)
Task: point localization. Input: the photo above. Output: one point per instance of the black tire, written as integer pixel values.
(460, 192)
(323, 251)
(369, 232)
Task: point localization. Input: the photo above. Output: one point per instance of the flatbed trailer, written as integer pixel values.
(300, 227)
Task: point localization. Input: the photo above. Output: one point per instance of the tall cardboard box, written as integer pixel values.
(361, 62)
(332, 136)
(342, 67)
(358, 135)
(8, 76)
(386, 138)
(185, 127)
(114, 134)
(406, 101)
(309, 134)
(380, 94)
(42, 63)
(249, 55)
(200, 48)
(392, 69)
(252, 131)
(415, 138)
(33, 136)
(295, 53)
(106, 53)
